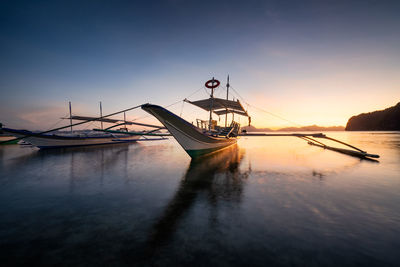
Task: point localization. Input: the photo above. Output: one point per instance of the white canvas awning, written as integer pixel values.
(220, 106)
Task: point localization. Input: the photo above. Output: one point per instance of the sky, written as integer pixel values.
(309, 62)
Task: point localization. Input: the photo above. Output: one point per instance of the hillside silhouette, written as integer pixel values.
(381, 120)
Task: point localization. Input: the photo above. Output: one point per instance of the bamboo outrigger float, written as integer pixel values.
(310, 138)
(208, 137)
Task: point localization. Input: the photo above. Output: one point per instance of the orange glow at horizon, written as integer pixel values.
(319, 100)
(322, 100)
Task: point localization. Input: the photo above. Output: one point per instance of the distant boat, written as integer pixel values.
(73, 139)
(54, 139)
(207, 136)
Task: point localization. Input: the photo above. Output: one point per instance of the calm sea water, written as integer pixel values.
(267, 201)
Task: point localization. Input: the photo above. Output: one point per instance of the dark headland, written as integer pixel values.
(381, 120)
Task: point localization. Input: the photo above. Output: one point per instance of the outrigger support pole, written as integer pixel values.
(149, 133)
(343, 143)
(75, 124)
(310, 138)
(136, 123)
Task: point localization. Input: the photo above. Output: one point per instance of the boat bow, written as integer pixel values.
(191, 138)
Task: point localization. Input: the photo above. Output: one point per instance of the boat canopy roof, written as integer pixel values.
(220, 106)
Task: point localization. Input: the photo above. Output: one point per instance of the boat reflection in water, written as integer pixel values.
(216, 176)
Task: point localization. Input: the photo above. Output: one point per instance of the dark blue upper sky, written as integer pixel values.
(129, 52)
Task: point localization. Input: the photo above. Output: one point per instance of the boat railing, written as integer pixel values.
(204, 125)
(216, 130)
(230, 131)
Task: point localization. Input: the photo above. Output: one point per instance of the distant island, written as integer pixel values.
(311, 128)
(381, 120)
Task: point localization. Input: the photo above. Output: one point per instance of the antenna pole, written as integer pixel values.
(211, 105)
(70, 116)
(227, 94)
(101, 115)
(126, 129)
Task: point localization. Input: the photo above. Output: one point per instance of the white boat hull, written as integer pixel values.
(188, 136)
(57, 141)
(190, 143)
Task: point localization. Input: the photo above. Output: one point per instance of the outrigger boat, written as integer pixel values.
(208, 137)
(55, 139)
(62, 140)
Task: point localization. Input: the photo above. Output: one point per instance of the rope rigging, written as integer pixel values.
(310, 138)
(265, 111)
(170, 105)
(55, 124)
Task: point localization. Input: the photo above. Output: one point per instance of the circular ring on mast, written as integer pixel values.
(211, 84)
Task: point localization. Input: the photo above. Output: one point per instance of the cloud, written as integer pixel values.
(33, 118)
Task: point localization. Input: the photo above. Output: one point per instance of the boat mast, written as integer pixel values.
(227, 93)
(101, 115)
(70, 116)
(211, 104)
(125, 122)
